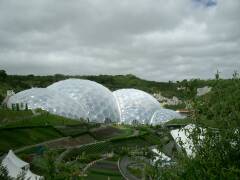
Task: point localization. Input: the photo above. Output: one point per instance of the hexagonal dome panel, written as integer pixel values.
(97, 100)
(136, 106)
(46, 99)
(163, 115)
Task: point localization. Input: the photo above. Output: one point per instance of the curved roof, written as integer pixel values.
(51, 101)
(136, 105)
(76, 98)
(164, 115)
(96, 99)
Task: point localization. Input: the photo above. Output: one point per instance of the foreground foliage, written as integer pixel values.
(218, 154)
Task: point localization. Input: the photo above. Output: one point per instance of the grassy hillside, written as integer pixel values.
(22, 128)
(9, 118)
(16, 138)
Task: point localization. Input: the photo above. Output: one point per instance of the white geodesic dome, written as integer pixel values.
(98, 101)
(136, 106)
(49, 100)
(163, 115)
(76, 98)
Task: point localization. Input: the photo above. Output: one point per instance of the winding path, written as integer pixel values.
(122, 166)
(106, 156)
(40, 144)
(63, 154)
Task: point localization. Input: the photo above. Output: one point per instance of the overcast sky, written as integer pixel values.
(154, 39)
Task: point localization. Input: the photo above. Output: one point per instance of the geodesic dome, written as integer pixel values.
(136, 106)
(163, 115)
(76, 98)
(46, 99)
(98, 101)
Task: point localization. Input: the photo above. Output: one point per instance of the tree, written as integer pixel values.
(217, 75)
(3, 75)
(235, 75)
(217, 154)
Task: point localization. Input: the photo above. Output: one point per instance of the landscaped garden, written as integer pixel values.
(78, 149)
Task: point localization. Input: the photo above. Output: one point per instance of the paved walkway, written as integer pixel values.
(122, 165)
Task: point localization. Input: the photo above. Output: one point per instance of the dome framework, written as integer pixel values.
(136, 105)
(97, 101)
(76, 99)
(45, 99)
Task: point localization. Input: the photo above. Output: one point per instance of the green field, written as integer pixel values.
(8, 116)
(73, 131)
(103, 170)
(39, 120)
(109, 132)
(13, 138)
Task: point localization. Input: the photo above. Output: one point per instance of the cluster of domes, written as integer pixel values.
(76, 98)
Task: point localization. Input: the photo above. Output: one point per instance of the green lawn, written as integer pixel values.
(40, 120)
(125, 131)
(110, 132)
(16, 138)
